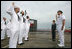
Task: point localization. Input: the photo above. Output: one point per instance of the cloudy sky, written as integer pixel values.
(43, 11)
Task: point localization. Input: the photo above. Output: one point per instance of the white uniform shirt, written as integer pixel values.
(60, 19)
(21, 19)
(14, 19)
(27, 21)
(21, 24)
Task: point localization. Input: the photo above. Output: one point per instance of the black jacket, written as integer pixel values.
(53, 26)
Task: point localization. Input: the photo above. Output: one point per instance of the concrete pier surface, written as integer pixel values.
(40, 40)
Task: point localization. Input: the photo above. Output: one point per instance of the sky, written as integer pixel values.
(42, 11)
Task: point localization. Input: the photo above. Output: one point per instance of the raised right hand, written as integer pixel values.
(13, 3)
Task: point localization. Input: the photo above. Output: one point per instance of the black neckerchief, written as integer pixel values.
(18, 18)
(24, 19)
(5, 23)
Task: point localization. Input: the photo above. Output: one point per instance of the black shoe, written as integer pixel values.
(21, 44)
(2, 39)
(53, 40)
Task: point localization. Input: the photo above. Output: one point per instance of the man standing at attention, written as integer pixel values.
(60, 22)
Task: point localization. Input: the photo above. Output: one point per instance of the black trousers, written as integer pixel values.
(53, 35)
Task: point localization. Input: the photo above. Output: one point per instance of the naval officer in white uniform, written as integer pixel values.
(60, 22)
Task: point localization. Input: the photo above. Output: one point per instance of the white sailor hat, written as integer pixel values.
(16, 7)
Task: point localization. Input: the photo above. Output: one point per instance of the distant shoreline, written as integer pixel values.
(66, 30)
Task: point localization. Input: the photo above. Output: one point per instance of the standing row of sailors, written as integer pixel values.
(17, 28)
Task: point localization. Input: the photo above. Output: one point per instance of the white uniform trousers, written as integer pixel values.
(3, 33)
(21, 34)
(13, 39)
(27, 31)
(61, 34)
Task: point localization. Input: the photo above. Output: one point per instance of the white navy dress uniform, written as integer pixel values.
(27, 27)
(59, 26)
(3, 31)
(24, 29)
(21, 27)
(14, 27)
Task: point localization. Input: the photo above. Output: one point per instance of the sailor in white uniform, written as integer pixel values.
(12, 11)
(27, 23)
(24, 24)
(3, 28)
(21, 27)
(60, 22)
